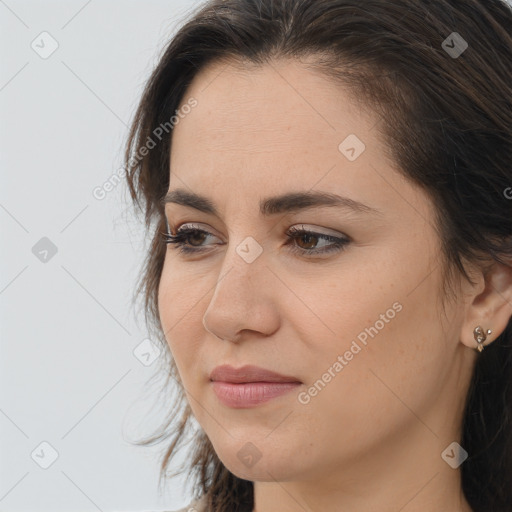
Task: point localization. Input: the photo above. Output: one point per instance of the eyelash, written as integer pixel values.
(337, 244)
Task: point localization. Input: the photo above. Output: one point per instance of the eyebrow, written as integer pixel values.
(285, 203)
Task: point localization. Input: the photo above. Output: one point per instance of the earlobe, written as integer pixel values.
(490, 311)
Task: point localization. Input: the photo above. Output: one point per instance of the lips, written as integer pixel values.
(248, 373)
(249, 386)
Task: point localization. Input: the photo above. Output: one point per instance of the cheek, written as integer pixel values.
(372, 398)
(387, 328)
(180, 307)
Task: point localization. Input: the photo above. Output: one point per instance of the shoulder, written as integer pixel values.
(194, 506)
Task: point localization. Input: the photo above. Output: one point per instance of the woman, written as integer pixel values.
(328, 188)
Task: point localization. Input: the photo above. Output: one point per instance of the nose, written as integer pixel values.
(244, 300)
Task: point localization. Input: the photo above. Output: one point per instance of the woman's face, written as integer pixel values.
(358, 325)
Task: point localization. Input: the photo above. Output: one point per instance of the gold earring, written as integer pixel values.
(480, 337)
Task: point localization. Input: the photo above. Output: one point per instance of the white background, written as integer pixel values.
(68, 375)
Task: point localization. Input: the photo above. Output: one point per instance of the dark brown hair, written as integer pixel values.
(447, 123)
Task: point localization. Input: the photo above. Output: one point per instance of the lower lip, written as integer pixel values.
(250, 394)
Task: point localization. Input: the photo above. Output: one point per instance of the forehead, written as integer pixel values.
(280, 115)
(259, 131)
(256, 108)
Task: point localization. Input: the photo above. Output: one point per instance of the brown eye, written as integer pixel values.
(309, 240)
(198, 236)
(306, 243)
(188, 240)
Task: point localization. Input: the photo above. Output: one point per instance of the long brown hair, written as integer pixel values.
(446, 118)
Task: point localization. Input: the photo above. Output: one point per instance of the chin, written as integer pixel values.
(263, 464)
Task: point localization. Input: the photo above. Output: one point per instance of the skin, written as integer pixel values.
(372, 438)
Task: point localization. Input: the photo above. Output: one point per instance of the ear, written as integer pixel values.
(489, 304)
